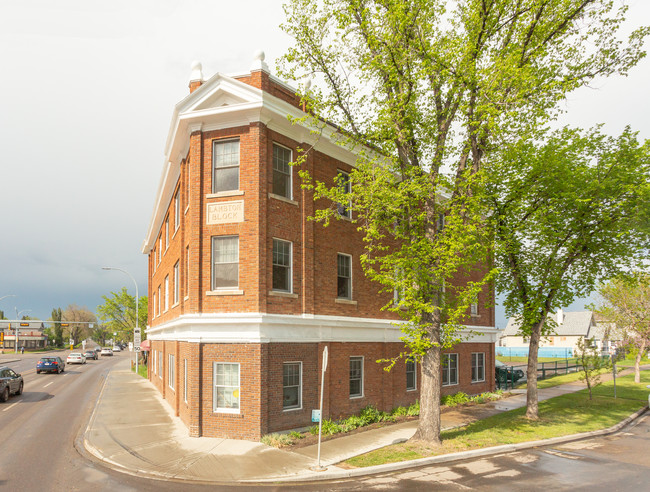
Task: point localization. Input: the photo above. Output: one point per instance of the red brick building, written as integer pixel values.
(245, 292)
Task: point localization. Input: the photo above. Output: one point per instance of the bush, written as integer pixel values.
(399, 412)
(277, 440)
(414, 409)
(295, 435)
(455, 399)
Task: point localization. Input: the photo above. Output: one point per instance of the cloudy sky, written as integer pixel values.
(87, 89)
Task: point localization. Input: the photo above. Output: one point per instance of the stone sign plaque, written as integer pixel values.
(225, 212)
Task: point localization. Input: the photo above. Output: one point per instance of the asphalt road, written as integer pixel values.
(40, 450)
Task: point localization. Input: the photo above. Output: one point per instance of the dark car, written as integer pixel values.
(11, 383)
(91, 354)
(50, 364)
(506, 373)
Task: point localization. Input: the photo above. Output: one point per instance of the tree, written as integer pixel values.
(58, 329)
(2, 314)
(626, 304)
(101, 334)
(411, 87)
(564, 216)
(118, 313)
(78, 319)
(591, 362)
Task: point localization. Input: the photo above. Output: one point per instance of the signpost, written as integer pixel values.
(319, 413)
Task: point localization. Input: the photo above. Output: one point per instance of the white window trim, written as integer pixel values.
(363, 374)
(223, 290)
(216, 142)
(338, 299)
(447, 367)
(177, 210)
(171, 360)
(299, 407)
(290, 197)
(415, 378)
(161, 364)
(166, 233)
(473, 309)
(153, 316)
(177, 278)
(155, 362)
(290, 291)
(483, 354)
(166, 294)
(185, 380)
(349, 206)
(159, 300)
(215, 409)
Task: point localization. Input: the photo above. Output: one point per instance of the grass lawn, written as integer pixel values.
(564, 415)
(630, 362)
(142, 369)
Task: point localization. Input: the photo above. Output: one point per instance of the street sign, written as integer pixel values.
(315, 415)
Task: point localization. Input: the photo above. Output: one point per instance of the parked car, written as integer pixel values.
(50, 364)
(11, 383)
(98, 349)
(507, 373)
(91, 354)
(106, 351)
(117, 348)
(75, 358)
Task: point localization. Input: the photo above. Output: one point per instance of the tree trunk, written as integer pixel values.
(429, 423)
(637, 363)
(532, 404)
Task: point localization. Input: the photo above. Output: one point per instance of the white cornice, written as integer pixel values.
(273, 328)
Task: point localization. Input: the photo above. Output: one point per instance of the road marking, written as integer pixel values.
(51, 382)
(10, 406)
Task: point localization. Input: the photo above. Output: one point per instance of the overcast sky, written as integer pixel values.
(87, 89)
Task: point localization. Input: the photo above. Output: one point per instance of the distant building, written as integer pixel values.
(245, 292)
(30, 335)
(563, 341)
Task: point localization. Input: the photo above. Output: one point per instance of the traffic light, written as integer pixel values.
(2, 336)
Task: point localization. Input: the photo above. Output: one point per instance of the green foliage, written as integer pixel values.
(58, 329)
(455, 399)
(591, 361)
(277, 440)
(295, 435)
(118, 314)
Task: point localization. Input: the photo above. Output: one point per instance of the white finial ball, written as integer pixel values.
(259, 55)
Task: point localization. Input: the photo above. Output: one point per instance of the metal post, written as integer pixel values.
(318, 466)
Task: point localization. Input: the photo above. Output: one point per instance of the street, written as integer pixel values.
(41, 449)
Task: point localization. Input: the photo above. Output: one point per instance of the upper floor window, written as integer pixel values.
(225, 262)
(177, 210)
(344, 185)
(166, 292)
(281, 171)
(344, 276)
(473, 309)
(166, 233)
(281, 265)
(177, 279)
(225, 160)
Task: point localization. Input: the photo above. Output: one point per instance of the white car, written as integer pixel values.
(106, 351)
(75, 358)
(116, 348)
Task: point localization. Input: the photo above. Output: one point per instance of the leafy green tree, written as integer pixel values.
(57, 328)
(2, 314)
(100, 334)
(118, 313)
(427, 88)
(78, 319)
(564, 215)
(626, 304)
(591, 362)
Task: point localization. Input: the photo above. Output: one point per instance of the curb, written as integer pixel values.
(448, 458)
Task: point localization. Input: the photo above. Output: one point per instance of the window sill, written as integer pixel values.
(226, 411)
(478, 382)
(186, 209)
(175, 305)
(345, 301)
(475, 315)
(356, 397)
(291, 409)
(222, 194)
(283, 199)
(175, 231)
(186, 298)
(277, 293)
(411, 390)
(451, 384)
(224, 293)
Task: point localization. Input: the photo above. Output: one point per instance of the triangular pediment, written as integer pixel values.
(221, 91)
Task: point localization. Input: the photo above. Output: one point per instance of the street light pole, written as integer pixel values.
(18, 324)
(136, 330)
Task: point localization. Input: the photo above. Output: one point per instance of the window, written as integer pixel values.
(356, 377)
(478, 367)
(155, 359)
(440, 225)
(176, 282)
(187, 272)
(159, 300)
(170, 371)
(473, 309)
(166, 292)
(344, 185)
(225, 160)
(449, 369)
(411, 382)
(154, 305)
(225, 262)
(160, 364)
(177, 211)
(185, 380)
(160, 248)
(167, 233)
(281, 171)
(344, 276)
(292, 385)
(281, 265)
(226, 388)
(154, 260)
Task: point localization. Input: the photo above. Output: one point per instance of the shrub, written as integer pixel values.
(296, 435)
(455, 399)
(414, 409)
(277, 440)
(399, 412)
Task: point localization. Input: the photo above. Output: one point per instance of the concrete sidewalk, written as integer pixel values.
(133, 429)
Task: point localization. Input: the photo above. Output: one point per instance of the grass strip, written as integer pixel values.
(564, 415)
